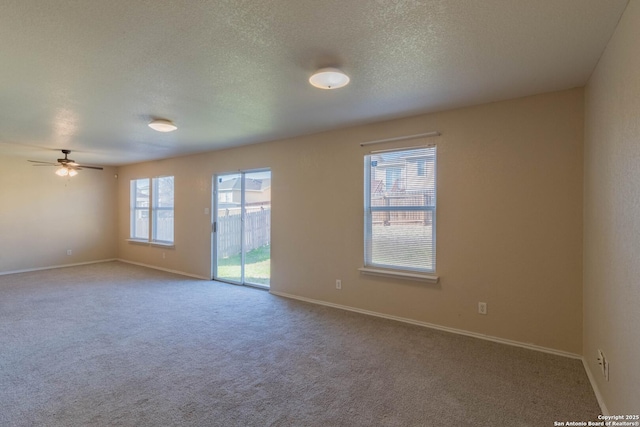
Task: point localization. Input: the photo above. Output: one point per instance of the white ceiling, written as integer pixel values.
(89, 75)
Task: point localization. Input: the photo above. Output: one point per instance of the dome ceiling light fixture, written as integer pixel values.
(163, 125)
(329, 78)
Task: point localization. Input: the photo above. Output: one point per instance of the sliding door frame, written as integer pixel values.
(214, 231)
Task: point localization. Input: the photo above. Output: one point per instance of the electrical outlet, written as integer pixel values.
(600, 359)
(603, 362)
(338, 284)
(482, 308)
(69, 252)
(164, 255)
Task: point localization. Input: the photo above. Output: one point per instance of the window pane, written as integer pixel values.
(164, 225)
(163, 200)
(165, 192)
(403, 239)
(140, 224)
(141, 191)
(229, 223)
(400, 201)
(139, 221)
(257, 228)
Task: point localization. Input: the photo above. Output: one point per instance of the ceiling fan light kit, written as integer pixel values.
(329, 78)
(66, 171)
(62, 171)
(68, 167)
(162, 125)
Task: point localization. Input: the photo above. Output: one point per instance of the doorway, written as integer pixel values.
(242, 228)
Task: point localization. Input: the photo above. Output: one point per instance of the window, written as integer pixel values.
(140, 209)
(393, 175)
(152, 199)
(163, 209)
(400, 206)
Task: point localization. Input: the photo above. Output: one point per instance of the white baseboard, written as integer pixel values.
(182, 273)
(50, 267)
(594, 386)
(434, 326)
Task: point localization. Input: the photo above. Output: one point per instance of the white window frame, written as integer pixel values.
(155, 209)
(423, 274)
(152, 211)
(135, 210)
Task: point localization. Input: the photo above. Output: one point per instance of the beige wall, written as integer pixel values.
(42, 215)
(612, 217)
(509, 218)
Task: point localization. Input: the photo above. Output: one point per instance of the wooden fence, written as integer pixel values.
(400, 216)
(164, 228)
(257, 230)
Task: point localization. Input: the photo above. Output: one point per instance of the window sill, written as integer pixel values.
(148, 243)
(163, 245)
(138, 242)
(429, 278)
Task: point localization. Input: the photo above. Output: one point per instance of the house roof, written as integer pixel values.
(250, 184)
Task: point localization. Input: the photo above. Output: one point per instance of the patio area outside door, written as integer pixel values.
(242, 228)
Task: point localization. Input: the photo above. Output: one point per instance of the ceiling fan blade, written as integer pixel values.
(66, 163)
(44, 163)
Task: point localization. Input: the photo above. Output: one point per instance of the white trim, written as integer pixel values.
(431, 278)
(157, 244)
(51, 267)
(138, 241)
(401, 138)
(595, 388)
(434, 326)
(162, 245)
(182, 273)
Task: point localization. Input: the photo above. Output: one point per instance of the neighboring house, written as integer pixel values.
(397, 180)
(401, 176)
(257, 192)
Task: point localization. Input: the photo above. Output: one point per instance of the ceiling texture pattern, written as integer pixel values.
(89, 75)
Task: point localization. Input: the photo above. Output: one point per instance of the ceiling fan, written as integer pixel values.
(67, 166)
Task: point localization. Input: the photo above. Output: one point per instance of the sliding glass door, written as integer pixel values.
(242, 228)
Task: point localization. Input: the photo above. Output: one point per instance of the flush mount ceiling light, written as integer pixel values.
(162, 125)
(329, 78)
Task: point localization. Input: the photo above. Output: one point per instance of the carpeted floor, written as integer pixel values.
(119, 345)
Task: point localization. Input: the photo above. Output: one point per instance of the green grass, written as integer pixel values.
(257, 266)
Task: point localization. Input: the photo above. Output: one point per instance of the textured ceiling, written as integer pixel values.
(89, 75)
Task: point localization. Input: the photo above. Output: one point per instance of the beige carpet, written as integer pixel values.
(119, 345)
